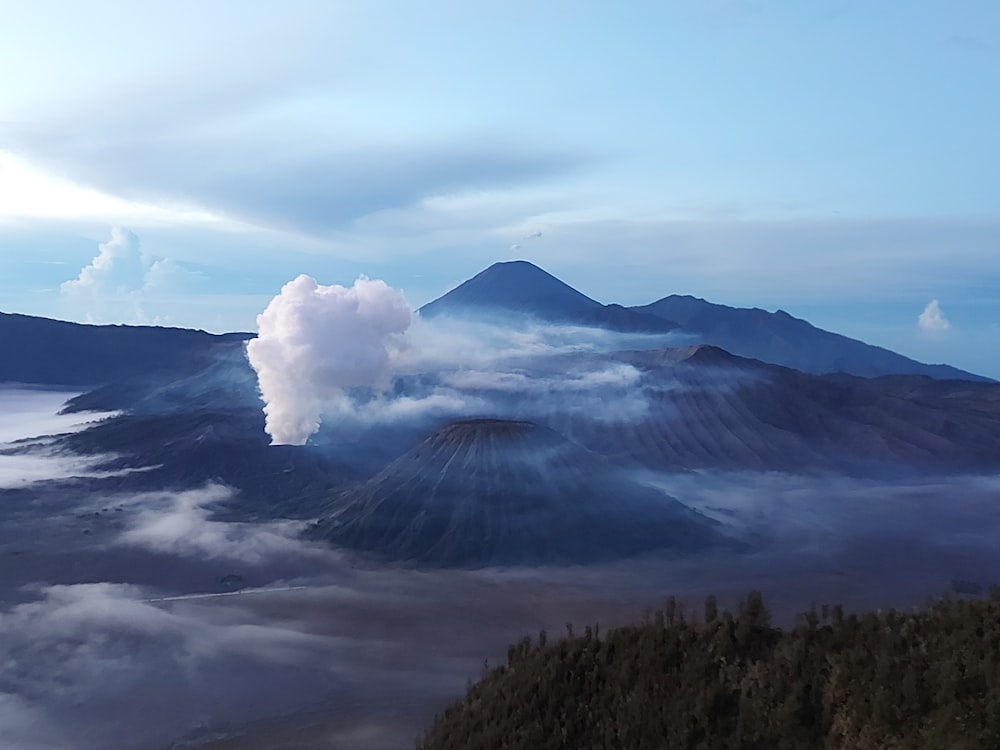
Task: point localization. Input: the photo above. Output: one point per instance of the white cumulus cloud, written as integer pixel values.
(117, 267)
(932, 319)
(117, 284)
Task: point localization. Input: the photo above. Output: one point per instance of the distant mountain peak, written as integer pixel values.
(522, 288)
(514, 286)
(525, 265)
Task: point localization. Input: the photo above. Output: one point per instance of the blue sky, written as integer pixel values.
(834, 159)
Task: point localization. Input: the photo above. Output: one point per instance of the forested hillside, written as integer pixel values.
(878, 681)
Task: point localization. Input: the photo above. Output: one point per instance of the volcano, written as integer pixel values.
(496, 492)
(521, 288)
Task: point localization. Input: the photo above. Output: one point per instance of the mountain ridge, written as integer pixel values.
(520, 287)
(783, 339)
(58, 352)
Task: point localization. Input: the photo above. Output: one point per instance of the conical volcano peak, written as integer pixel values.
(524, 267)
(521, 288)
(491, 445)
(471, 430)
(515, 286)
(510, 271)
(704, 355)
(489, 491)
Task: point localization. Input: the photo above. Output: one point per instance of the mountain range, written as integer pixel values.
(519, 287)
(52, 352)
(530, 471)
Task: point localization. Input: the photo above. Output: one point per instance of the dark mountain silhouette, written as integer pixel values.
(782, 339)
(491, 492)
(53, 352)
(522, 288)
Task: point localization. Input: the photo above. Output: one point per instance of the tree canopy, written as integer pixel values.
(883, 680)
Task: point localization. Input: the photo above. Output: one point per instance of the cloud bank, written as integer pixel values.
(182, 524)
(27, 420)
(75, 656)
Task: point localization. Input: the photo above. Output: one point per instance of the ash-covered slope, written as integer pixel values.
(711, 409)
(188, 450)
(54, 352)
(204, 424)
(493, 492)
(522, 288)
(782, 339)
(218, 378)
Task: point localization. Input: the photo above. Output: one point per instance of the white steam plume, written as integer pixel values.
(316, 341)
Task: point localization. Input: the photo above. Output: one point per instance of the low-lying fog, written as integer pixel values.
(108, 640)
